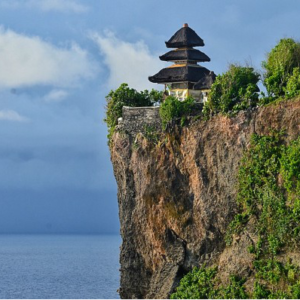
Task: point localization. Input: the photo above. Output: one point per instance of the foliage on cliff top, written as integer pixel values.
(279, 68)
(293, 85)
(233, 91)
(237, 88)
(269, 195)
(126, 96)
(172, 108)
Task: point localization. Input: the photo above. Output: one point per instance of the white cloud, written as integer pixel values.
(28, 61)
(56, 96)
(64, 6)
(11, 115)
(128, 62)
(59, 5)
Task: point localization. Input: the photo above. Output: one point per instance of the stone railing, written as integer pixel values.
(138, 119)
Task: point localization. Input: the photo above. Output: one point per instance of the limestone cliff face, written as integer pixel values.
(177, 197)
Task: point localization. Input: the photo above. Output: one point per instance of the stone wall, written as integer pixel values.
(138, 119)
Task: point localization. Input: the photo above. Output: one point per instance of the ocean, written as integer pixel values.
(59, 266)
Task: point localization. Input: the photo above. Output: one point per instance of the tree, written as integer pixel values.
(234, 90)
(293, 85)
(279, 66)
(126, 96)
(172, 108)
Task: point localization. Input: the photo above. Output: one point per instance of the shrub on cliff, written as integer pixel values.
(203, 284)
(233, 91)
(198, 284)
(126, 96)
(172, 108)
(279, 67)
(293, 84)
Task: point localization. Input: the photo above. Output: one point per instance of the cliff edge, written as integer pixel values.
(177, 195)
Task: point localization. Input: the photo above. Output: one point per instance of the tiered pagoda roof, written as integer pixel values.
(180, 73)
(206, 82)
(185, 37)
(185, 58)
(189, 54)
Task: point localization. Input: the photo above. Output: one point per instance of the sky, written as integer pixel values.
(58, 61)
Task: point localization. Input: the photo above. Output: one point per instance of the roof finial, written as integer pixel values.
(185, 25)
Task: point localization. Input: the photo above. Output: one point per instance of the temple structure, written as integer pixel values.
(185, 77)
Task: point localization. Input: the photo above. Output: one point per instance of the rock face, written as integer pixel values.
(177, 196)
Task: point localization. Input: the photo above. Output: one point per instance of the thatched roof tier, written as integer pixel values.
(185, 37)
(206, 82)
(185, 54)
(180, 74)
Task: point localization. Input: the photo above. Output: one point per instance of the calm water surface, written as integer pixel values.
(59, 266)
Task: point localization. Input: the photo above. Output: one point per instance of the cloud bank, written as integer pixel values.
(28, 61)
(64, 6)
(11, 115)
(127, 62)
(56, 96)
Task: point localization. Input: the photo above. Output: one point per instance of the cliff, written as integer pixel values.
(177, 195)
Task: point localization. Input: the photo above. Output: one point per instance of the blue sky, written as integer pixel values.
(58, 60)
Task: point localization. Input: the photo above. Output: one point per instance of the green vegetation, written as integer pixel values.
(172, 109)
(269, 195)
(233, 91)
(279, 68)
(237, 88)
(269, 189)
(269, 181)
(151, 134)
(125, 96)
(203, 284)
(293, 84)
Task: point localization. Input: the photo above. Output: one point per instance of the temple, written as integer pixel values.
(185, 77)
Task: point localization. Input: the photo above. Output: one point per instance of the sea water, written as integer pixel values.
(59, 266)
